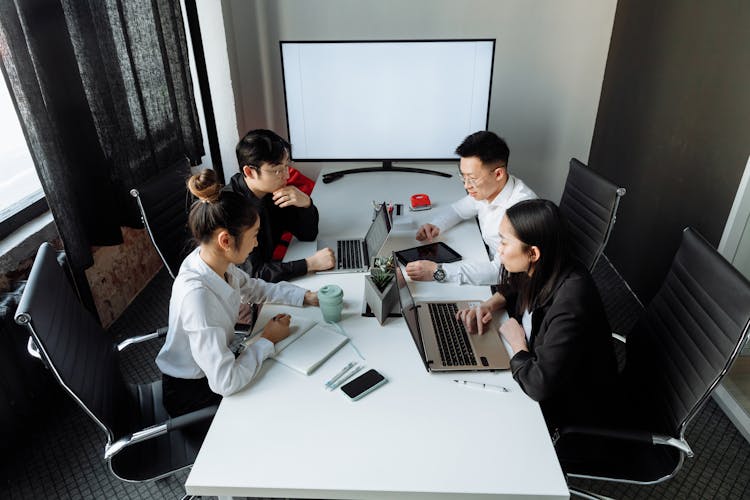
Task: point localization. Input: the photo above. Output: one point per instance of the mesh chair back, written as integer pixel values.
(688, 337)
(73, 345)
(589, 202)
(164, 203)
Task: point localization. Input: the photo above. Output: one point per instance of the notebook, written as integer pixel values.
(307, 347)
(355, 255)
(442, 341)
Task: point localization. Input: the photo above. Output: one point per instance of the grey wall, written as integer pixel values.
(549, 64)
(673, 126)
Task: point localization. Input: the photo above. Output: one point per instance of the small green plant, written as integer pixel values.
(381, 278)
(382, 272)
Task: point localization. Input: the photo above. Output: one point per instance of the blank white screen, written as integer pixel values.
(385, 100)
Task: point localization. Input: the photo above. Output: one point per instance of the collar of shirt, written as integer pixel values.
(502, 198)
(213, 281)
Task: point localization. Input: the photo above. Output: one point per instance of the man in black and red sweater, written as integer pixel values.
(264, 161)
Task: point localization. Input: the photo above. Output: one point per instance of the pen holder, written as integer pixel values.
(331, 299)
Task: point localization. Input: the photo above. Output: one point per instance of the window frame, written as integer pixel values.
(24, 215)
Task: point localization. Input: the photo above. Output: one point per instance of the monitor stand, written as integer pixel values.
(386, 167)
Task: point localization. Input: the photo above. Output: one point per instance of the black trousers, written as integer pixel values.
(182, 395)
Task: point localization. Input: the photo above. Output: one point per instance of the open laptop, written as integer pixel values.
(354, 256)
(441, 339)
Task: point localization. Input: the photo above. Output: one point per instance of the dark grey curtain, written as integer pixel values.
(103, 91)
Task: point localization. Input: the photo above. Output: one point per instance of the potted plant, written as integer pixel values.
(381, 293)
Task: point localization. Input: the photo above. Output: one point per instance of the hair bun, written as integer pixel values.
(205, 186)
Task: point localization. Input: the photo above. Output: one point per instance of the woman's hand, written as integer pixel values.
(475, 319)
(277, 329)
(311, 299)
(514, 333)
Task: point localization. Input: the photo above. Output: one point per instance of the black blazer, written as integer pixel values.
(274, 221)
(570, 367)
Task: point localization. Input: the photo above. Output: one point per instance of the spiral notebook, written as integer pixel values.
(308, 346)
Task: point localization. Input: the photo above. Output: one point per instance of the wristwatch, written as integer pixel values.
(439, 274)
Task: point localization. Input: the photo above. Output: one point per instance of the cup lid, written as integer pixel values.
(330, 291)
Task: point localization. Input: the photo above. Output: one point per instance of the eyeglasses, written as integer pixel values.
(473, 182)
(279, 171)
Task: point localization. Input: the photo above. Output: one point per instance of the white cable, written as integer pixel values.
(342, 332)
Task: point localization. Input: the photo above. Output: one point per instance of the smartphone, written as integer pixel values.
(363, 385)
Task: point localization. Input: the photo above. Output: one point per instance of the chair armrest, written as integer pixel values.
(161, 332)
(32, 348)
(633, 435)
(619, 337)
(169, 425)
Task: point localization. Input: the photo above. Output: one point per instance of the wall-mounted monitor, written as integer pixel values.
(385, 100)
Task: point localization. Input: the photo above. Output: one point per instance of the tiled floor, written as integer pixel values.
(61, 457)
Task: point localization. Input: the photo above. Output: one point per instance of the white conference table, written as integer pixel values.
(420, 435)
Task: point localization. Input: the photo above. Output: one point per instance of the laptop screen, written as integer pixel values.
(378, 232)
(409, 310)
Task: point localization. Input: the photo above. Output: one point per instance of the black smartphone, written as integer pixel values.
(363, 385)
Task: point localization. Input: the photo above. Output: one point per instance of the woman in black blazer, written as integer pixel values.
(559, 334)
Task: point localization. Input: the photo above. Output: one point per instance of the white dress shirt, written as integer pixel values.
(489, 215)
(202, 313)
(526, 324)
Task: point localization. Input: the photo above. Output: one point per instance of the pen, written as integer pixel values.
(480, 385)
(340, 374)
(344, 379)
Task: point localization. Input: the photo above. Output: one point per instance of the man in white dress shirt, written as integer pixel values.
(491, 191)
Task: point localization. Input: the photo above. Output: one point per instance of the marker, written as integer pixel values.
(480, 385)
(340, 374)
(344, 378)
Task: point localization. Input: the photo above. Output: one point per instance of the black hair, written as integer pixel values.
(261, 146)
(539, 223)
(217, 208)
(487, 146)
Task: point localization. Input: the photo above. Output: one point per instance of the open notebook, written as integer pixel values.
(307, 347)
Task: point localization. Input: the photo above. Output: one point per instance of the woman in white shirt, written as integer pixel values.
(198, 368)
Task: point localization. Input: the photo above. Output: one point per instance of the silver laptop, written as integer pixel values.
(441, 339)
(354, 256)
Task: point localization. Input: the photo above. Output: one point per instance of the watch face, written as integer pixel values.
(439, 274)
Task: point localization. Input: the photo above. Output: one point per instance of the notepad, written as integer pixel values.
(309, 345)
(312, 349)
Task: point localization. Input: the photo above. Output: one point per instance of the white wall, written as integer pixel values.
(549, 64)
(211, 20)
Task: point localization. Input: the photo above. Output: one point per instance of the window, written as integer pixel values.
(21, 196)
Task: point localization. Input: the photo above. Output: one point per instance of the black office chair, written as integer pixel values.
(677, 354)
(143, 442)
(589, 202)
(164, 203)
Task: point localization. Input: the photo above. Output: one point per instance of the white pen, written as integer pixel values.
(480, 385)
(344, 379)
(340, 374)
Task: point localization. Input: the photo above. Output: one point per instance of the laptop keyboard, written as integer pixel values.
(453, 341)
(349, 254)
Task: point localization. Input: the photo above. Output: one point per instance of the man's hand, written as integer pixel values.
(290, 196)
(421, 270)
(320, 261)
(277, 329)
(427, 232)
(514, 333)
(475, 319)
(311, 299)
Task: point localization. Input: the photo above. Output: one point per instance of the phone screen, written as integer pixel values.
(363, 384)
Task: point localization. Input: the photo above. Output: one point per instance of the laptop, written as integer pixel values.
(354, 256)
(441, 339)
